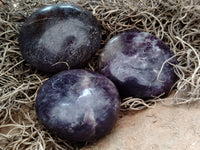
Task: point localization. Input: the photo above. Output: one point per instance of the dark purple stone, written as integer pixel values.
(78, 105)
(59, 34)
(133, 60)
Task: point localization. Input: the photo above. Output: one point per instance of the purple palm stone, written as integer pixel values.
(133, 60)
(78, 105)
(57, 35)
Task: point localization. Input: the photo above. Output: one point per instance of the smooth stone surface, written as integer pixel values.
(78, 105)
(57, 35)
(133, 60)
(160, 128)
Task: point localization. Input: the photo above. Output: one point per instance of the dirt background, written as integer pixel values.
(159, 128)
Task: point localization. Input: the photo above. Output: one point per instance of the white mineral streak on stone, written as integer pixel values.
(74, 28)
(89, 118)
(86, 81)
(109, 52)
(116, 104)
(87, 98)
(137, 66)
(86, 92)
(55, 82)
(140, 38)
(124, 69)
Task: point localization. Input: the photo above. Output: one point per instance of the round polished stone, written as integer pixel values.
(57, 37)
(137, 62)
(78, 105)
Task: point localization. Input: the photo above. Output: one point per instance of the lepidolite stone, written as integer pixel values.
(78, 105)
(133, 60)
(59, 36)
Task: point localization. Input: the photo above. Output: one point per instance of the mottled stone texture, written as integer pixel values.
(59, 34)
(133, 60)
(78, 105)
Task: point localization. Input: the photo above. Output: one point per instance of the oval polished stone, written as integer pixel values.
(133, 61)
(59, 36)
(78, 105)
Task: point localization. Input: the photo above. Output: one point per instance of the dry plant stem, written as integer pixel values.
(174, 22)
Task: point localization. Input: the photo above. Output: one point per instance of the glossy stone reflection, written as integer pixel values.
(133, 61)
(57, 35)
(78, 105)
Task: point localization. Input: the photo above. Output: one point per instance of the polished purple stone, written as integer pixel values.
(78, 105)
(133, 60)
(57, 35)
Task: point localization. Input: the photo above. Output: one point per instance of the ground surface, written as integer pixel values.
(160, 128)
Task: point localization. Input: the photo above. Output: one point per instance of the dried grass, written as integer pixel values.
(176, 22)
